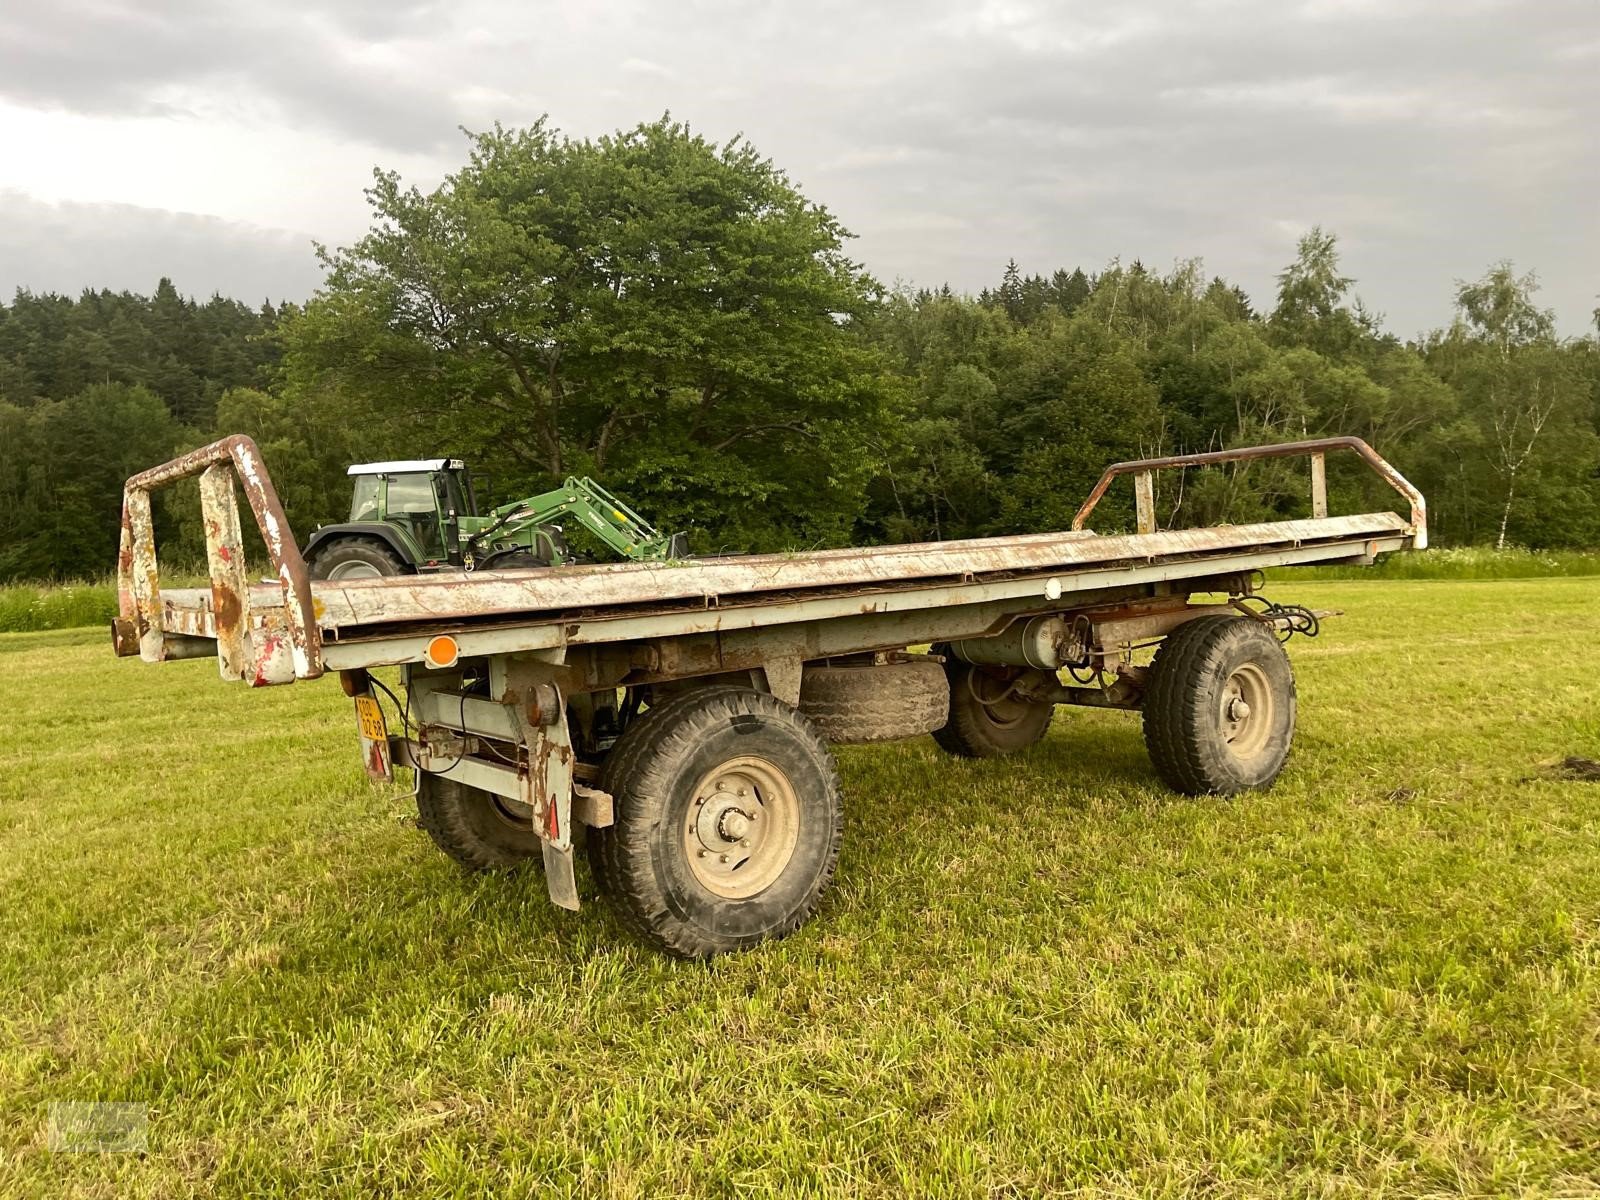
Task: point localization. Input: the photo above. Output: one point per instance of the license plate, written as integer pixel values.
(370, 717)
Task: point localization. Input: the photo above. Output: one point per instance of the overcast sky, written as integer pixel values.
(212, 140)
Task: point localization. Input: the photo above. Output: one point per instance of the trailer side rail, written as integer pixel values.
(1143, 471)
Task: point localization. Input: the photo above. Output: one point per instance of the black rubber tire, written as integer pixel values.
(375, 554)
(641, 862)
(517, 560)
(474, 827)
(1184, 724)
(973, 729)
(879, 703)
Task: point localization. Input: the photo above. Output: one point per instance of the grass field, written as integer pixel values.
(1033, 976)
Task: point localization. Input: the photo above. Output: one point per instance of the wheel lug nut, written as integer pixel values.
(704, 853)
(724, 858)
(745, 842)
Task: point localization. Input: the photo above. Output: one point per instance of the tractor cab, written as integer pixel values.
(425, 498)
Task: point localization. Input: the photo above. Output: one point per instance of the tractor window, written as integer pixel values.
(364, 505)
(410, 494)
(411, 503)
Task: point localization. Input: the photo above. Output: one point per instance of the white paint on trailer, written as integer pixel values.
(350, 604)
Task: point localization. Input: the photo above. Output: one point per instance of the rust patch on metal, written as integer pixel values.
(225, 604)
(124, 638)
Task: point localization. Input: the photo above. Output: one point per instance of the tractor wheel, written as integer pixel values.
(1220, 706)
(988, 718)
(480, 830)
(728, 821)
(356, 558)
(513, 560)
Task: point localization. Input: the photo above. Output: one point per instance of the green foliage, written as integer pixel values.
(1523, 442)
(307, 446)
(675, 318)
(1460, 563)
(95, 389)
(62, 473)
(53, 347)
(1081, 401)
(666, 314)
(1311, 300)
(28, 609)
(1494, 418)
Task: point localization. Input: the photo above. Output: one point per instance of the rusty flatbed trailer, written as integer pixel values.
(682, 712)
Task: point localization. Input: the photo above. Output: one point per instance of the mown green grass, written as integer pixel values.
(1036, 976)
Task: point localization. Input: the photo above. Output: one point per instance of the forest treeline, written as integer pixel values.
(675, 318)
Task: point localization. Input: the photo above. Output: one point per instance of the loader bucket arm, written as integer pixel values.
(619, 525)
(598, 511)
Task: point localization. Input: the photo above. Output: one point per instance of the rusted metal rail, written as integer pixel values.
(1143, 471)
(277, 645)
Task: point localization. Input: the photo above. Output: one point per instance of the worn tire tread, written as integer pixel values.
(619, 853)
(965, 735)
(852, 705)
(443, 814)
(381, 549)
(1184, 757)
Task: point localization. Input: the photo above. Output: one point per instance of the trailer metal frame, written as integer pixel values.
(512, 678)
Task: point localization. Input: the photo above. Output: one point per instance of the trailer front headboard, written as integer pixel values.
(277, 645)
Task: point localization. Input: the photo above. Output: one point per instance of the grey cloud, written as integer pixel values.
(68, 247)
(307, 63)
(1433, 143)
(1434, 138)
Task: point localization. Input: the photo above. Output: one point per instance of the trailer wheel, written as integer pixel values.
(356, 558)
(728, 820)
(1219, 709)
(988, 717)
(480, 830)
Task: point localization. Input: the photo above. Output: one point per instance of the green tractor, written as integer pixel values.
(422, 515)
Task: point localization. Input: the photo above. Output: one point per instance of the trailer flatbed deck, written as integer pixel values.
(370, 622)
(524, 689)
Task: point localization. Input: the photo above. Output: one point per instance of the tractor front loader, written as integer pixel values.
(421, 516)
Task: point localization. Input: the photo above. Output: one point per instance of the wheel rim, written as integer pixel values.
(1247, 710)
(741, 827)
(1002, 708)
(354, 570)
